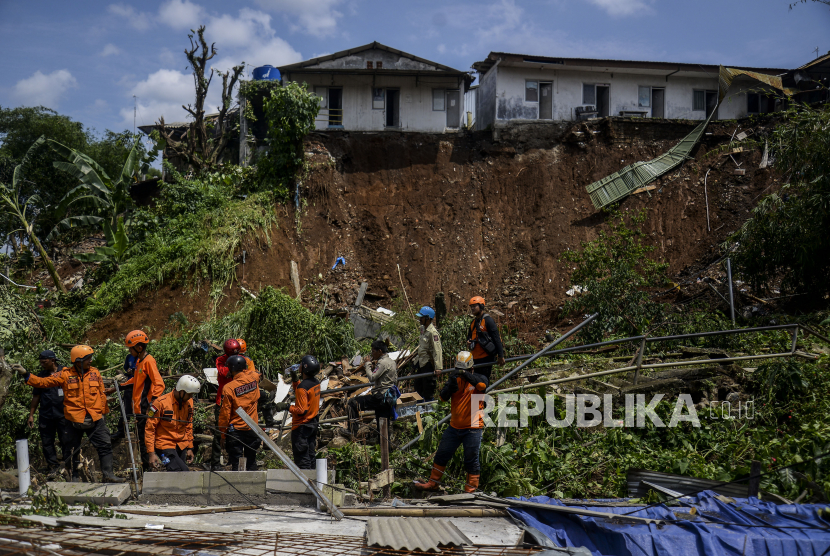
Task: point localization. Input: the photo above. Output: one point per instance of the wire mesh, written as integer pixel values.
(21, 538)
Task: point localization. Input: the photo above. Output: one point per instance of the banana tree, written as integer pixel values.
(107, 200)
(24, 211)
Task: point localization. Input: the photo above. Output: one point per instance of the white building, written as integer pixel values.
(374, 88)
(523, 88)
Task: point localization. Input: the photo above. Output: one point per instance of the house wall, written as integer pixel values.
(509, 95)
(470, 106)
(486, 98)
(416, 113)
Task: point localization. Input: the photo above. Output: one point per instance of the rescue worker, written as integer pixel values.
(242, 391)
(466, 424)
(429, 358)
(231, 347)
(266, 397)
(169, 431)
(50, 419)
(126, 396)
(381, 370)
(483, 338)
(304, 412)
(84, 406)
(147, 386)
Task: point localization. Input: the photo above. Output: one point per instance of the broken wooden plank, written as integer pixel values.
(420, 422)
(295, 278)
(361, 294)
(644, 189)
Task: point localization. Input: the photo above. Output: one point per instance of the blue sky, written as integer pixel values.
(87, 59)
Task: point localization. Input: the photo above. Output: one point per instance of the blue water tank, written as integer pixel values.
(266, 73)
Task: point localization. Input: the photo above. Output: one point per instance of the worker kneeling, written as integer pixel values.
(242, 391)
(84, 406)
(304, 420)
(466, 424)
(169, 431)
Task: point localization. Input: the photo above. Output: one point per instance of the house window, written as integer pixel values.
(438, 99)
(704, 100)
(379, 64)
(589, 94)
(699, 102)
(532, 91)
(377, 99)
(759, 103)
(368, 64)
(644, 97)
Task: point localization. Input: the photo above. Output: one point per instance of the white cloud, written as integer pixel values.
(181, 14)
(229, 31)
(162, 94)
(137, 20)
(619, 8)
(44, 89)
(441, 48)
(110, 50)
(100, 104)
(316, 17)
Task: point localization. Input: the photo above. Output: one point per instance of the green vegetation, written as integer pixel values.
(786, 239)
(616, 274)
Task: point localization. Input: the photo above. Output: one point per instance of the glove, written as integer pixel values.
(120, 378)
(294, 377)
(282, 406)
(19, 369)
(451, 387)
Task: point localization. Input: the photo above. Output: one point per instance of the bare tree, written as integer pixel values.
(204, 141)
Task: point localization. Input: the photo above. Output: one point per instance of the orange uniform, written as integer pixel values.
(223, 375)
(306, 403)
(169, 424)
(242, 391)
(83, 393)
(461, 416)
(147, 383)
(485, 327)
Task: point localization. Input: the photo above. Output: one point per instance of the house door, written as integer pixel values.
(335, 107)
(545, 101)
(603, 101)
(711, 102)
(658, 104)
(453, 109)
(393, 107)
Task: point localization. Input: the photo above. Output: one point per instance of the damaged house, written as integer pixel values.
(517, 88)
(375, 88)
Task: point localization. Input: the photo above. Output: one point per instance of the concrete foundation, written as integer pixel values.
(99, 493)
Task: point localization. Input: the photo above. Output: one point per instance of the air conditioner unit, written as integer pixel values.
(586, 112)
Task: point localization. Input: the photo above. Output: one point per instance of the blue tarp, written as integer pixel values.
(728, 529)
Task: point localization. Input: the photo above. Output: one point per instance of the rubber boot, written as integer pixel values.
(106, 471)
(472, 483)
(434, 479)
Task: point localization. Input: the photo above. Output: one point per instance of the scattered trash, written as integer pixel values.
(337, 261)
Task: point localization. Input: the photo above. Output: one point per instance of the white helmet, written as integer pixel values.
(189, 384)
(464, 360)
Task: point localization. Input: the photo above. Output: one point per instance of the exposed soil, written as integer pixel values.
(467, 215)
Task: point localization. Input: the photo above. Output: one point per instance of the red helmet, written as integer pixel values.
(231, 346)
(243, 346)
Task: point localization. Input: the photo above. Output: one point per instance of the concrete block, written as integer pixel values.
(245, 482)
(99, 493)
(186, 482)
(283, 480)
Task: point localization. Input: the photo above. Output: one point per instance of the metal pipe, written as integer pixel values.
(332, 509)
(731, 295)
(24, 474)
(720, 333)
(127, 433)
(18, 285)
(539, 354)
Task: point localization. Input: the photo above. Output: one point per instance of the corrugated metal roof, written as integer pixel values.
(413, 533)
(679, 483)
(621, 183)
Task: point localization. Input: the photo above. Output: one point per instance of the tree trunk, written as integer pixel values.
(49, 264)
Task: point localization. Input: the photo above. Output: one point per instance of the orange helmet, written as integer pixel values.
(136, 337)
(80, 353)
(243, 347)
(477, 300)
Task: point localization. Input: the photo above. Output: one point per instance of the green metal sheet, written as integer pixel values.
(621, 183)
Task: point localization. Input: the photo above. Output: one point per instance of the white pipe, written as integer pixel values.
(24, 476)
(322, 477)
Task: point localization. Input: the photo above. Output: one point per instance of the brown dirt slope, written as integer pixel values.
(468, 215)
